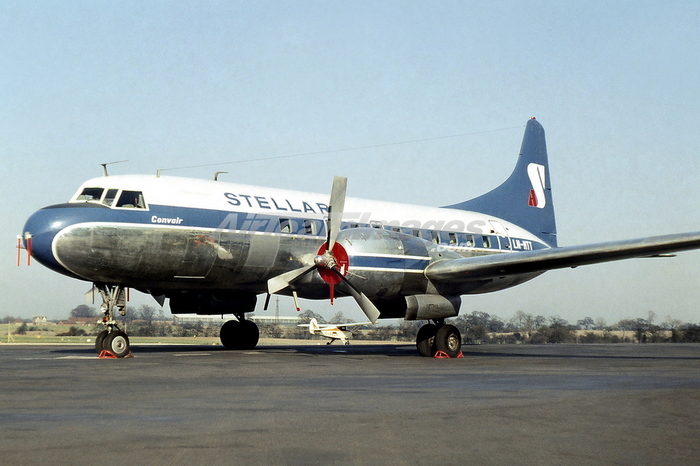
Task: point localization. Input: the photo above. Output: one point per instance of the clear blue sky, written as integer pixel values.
(616, 86)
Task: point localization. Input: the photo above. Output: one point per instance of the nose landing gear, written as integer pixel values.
(113, 340)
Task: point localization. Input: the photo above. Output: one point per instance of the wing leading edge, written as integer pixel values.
(455, 271)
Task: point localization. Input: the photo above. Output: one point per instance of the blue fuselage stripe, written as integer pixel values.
(391, 263)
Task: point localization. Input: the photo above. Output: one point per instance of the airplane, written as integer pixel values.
(334, 332)
(211, 247)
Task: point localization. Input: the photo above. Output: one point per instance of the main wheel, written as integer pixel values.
(242, 335)
(99, 341)
(448, 340)
(250, 335)
(425, 341)
(230, 334)
(118, 343)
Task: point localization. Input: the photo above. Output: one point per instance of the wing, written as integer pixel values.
(453, 271)
(338, 326)
(354, 324)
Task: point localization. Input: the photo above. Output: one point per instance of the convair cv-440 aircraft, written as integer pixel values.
(213, 248)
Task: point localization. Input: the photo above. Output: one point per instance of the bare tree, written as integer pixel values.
(600, 324)
(586, 323)
(339, 318)
(147, 314)
(306, 316)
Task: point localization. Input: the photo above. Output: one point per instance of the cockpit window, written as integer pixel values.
(131, 199)
(109, 197)
(90, 194)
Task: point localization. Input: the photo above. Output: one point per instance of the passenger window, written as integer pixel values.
(310, 227)
(285, 225)
(90, 194)
(453, 239)
(470, 241)
(435, 237)
(376, 224)
(487, 241)
(131, 200)
(109, 197)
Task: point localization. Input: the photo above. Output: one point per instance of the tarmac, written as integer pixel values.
(357, 404)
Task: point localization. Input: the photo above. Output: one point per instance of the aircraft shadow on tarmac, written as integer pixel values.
(321, 349)
(614, 352)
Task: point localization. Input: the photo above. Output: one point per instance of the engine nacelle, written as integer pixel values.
(432, 306)
(421, 307)
(383, 264)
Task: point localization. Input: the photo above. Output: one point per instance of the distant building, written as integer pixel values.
(39, 320)
(287, 321)
(193, 319)
(83, 321)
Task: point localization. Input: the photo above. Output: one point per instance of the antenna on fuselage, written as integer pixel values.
(104, 166)
(216, 175)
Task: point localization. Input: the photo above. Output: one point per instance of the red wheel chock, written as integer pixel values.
(106, 354)
(443, 355)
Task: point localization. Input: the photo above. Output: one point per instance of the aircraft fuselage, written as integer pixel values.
(167, 235)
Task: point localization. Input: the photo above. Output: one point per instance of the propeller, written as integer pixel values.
(331, 261)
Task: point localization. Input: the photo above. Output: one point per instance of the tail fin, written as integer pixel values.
(313, 325)
(525, 198)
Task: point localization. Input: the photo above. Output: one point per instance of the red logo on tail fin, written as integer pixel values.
(533, 199)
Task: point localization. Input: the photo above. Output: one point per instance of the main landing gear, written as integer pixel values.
(239, 334)
(112, 339)
(439, 337)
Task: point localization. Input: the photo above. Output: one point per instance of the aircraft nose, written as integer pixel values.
(42, 227)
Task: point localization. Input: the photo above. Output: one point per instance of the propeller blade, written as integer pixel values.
(336, 206)
(160, 299)
(296, 300)
(282, 281)
(363, 301)
(366, 305)
(90, 295)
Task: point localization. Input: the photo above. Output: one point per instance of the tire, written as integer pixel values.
(425, 340)
(448, 340)
(230, 334)
(250, 335)
(242, 335)
(118, 343)
(100, 340)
